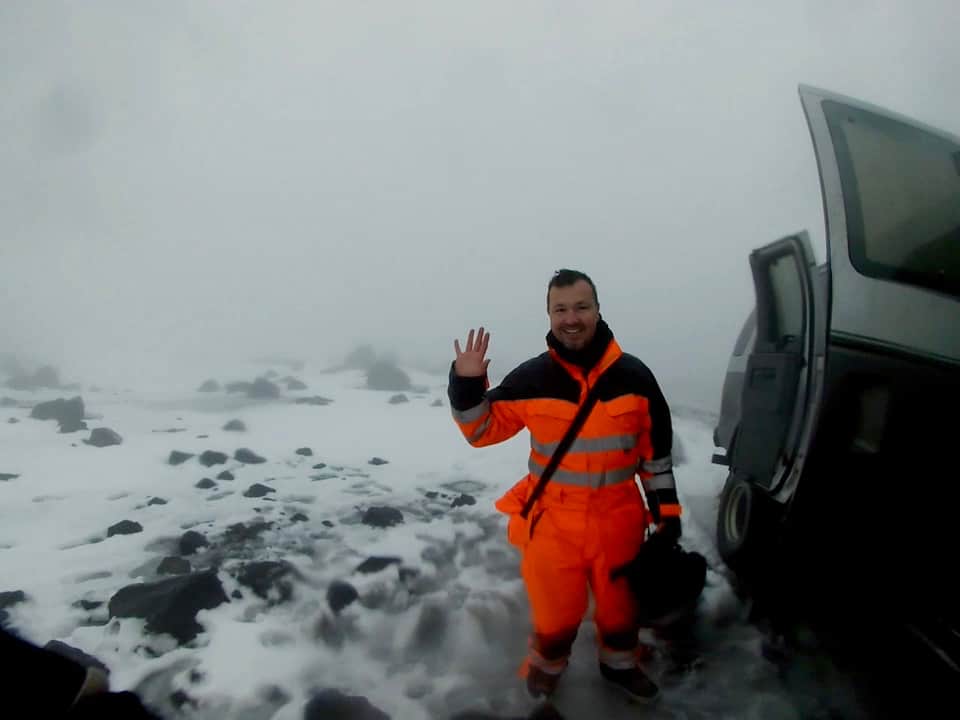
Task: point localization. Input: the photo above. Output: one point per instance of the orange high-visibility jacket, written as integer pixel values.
(628, 431)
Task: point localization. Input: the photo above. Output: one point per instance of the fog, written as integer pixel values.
(182, 183)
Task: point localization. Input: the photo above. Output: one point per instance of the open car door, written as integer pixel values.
(777, 375)
(891, 191)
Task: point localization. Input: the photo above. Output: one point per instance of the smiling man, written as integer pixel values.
(590, 518)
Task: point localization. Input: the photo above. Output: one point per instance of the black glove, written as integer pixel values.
(670, 528)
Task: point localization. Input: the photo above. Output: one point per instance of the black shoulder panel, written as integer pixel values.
(539, 377)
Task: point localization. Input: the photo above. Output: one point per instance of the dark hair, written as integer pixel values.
(566, 278)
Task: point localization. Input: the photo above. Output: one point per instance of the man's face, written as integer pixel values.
(573, 314)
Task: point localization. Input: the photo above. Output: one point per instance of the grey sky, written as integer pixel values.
(185, 180)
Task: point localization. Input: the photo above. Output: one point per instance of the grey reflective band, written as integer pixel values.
(474, 413)
(585, 479)
(478, 433)
(660, 481)
(588, 445)
(659, 465)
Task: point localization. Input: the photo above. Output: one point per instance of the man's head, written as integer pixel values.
(573, 308)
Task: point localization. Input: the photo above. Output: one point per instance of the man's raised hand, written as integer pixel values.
(470, 361)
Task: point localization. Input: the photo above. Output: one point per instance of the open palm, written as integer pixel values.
(471, 361)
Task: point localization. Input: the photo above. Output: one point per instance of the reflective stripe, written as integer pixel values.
(670, 511)
(474, 413)
(478, 433)
(583, 479)
(588, 445)
(554, 667)
(661, 481)
(660, 465)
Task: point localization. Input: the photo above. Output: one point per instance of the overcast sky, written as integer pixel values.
(185, 180)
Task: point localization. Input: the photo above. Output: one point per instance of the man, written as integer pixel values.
(591, 517)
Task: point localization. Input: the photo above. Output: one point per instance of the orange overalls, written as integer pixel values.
(591, 517)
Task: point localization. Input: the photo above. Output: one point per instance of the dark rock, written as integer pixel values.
(191, 541)
(170, 605)
(378, 461)
(89, 604)
(397, 399)
(225, 475)
(257, 490)
(209, 386)
(76, 655)
(248, 457)
(7, 402)
(382, 517)
(430, 631)
(361, 357)
(235, 426)
(11, 597)
(299, 517)
(241, 386)
(327, 523)
(432, 494)
(322, 476)
(67, 413)
(212, 457)
(156, 501)
(124, 527)
(315, 400)
(174, 566)
(335, 705)
(45, 377)
(305, 451)
(340, 594)
(236, 595)
(464, 499)
(8, 476)
(178, 458)
(384, 375)
(180, 698)
(263, 388)
(376, 564)
(294, 384)
(205, 484)
(269, 579)
(240, 533)
(437, 403)
(319, 466)
(103, 437)
(12, 421)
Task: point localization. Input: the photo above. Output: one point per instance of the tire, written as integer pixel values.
(747, 524)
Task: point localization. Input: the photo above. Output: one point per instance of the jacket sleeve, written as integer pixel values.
(47, 682)
(485, 417)
(656, 474)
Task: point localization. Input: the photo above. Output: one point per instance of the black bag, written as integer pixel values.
(665, 579)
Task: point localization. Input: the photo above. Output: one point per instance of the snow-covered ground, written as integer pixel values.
(437, 628)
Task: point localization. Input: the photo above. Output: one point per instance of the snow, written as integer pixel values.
(447, 641)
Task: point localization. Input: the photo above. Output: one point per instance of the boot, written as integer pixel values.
(540, 682)
(632, 681)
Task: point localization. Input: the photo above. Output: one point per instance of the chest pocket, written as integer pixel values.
(627, 414)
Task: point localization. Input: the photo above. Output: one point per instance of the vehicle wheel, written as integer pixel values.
(746, 526)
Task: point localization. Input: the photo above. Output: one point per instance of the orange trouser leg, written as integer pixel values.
(556, 577)
(613, 538)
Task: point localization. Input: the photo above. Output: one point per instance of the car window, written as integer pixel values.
(788, 302)
(901, 189)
